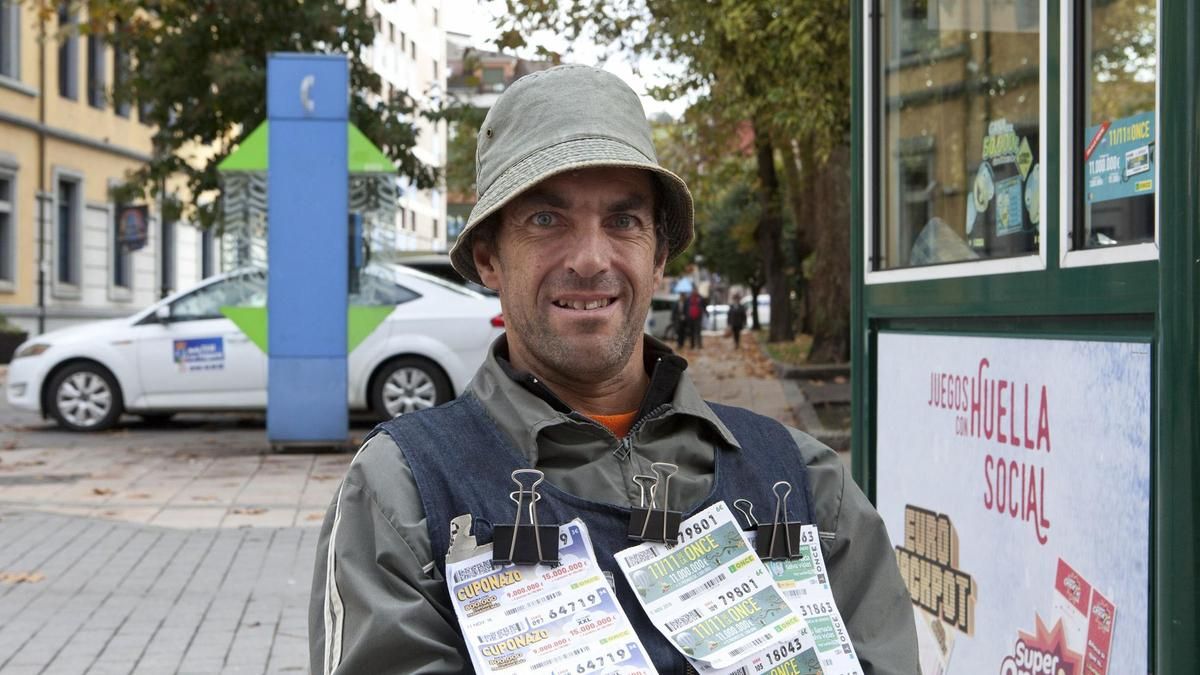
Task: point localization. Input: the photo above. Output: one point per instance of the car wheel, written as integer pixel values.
(408, 384)
(85, 397)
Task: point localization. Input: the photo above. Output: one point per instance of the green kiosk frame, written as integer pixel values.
(1026, 390)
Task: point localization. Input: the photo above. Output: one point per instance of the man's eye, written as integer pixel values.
(543, 219)
(624, 222)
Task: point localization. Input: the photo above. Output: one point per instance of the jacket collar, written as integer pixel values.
(522, 406)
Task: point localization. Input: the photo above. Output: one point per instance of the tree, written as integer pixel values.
(197, 72)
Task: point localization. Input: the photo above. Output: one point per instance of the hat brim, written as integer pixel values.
(572, 155)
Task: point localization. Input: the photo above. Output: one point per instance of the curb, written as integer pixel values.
(802, 406)
(819, 371)
(809, 422)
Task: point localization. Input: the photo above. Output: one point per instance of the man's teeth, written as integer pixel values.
(580, 304)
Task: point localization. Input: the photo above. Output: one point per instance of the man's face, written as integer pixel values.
(574, 262)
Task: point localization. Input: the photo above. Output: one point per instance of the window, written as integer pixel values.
(122, 271)
(374, 290)
(1115, 178)
(435, 69)
(95, 63)
(436, 16)
(915, 27)
(435, 228)
(67, 231)
(121, 73)
(403, 41)
(68, 55)
(167, 283)
(493, 79)
(243, 290)
(10, 39)
(206, 253)
(958, 133)
(7, 224)
(412, 46)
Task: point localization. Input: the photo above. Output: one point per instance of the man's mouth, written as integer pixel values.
(584, 305)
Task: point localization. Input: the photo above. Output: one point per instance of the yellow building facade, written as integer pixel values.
(63, 145)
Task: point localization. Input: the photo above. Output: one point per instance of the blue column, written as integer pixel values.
(307, 184)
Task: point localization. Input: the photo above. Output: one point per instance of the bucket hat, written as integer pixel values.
(562, 119)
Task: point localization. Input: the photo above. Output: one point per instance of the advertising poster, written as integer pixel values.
(1119, 158)
(199, 354)
(1014, 480)
(132, 227)
(1004, 207)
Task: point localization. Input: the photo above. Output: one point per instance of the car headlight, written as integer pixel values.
(31, 350)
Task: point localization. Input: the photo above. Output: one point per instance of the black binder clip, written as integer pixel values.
(746, 508)
(648, 522)
(773, 544)
(528, 543)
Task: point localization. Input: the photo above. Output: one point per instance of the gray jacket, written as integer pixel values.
(385, 608)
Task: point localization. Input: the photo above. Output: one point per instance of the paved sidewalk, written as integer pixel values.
(188, 548)
(742, 377)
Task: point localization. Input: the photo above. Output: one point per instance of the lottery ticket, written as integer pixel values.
(711, 595)
(544, 619)
(1099, 636)
(1072, 600)
(804, 582)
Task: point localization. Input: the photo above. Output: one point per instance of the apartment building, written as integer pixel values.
(477, 78)
(409, 54)
(63, 258)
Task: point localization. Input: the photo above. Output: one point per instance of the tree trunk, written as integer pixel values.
(770, 238)
(755, 289)
(830, 279)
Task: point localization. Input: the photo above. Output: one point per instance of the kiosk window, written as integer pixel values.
(959, 131)
(1116, 142)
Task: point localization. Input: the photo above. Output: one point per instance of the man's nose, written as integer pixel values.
(590, 250)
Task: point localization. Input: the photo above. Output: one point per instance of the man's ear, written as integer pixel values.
(486, 262)
(660, 264)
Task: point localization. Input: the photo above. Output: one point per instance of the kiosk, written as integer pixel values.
(1026, 383)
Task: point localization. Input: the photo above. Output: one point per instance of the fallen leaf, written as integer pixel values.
(251, 511)
(10, 444)
(322, 476)
(139, 495)
(314, 516)
(21, 577)
(101, 491)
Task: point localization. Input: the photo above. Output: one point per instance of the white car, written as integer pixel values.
(184, 354)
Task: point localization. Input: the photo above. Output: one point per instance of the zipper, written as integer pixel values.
(625, 445)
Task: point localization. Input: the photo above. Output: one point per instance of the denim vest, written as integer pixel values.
(462, 463)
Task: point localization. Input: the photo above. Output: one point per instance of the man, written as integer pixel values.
(679, 318)
(697, 309)
(736, 319)
(574, 224)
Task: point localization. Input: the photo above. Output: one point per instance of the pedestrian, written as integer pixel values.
(680, 320)
(574, 224)
(736, 319)
(697, 309)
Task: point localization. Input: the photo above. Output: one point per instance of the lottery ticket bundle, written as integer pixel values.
(541, 619)
(805, 584)
(715, 600)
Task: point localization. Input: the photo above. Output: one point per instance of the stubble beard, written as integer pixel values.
(577, 359)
